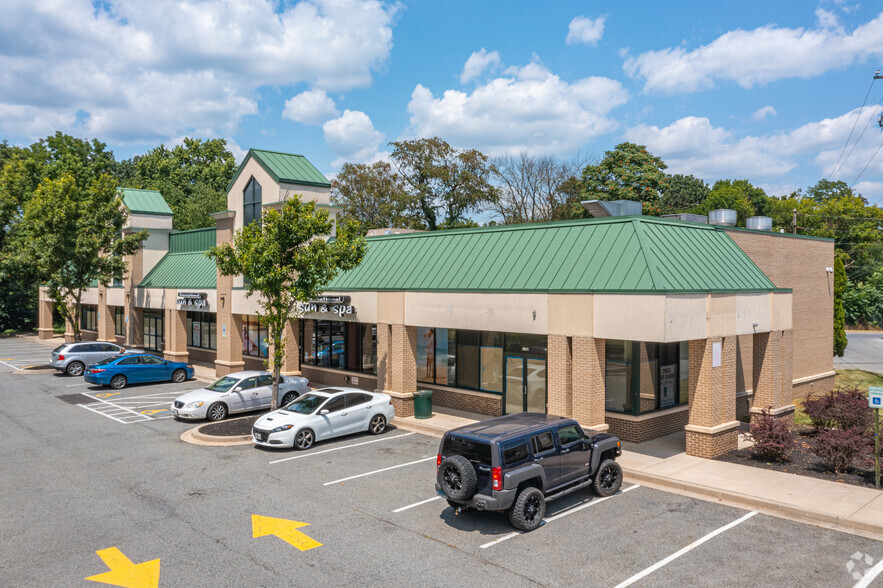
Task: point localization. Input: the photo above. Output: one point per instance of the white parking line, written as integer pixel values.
(686, 549)
(870, 575)
(417, 504)
(76, 385)
(115, 406)
(561, 515)
(10, 365)
(338, 448)
(379, 471)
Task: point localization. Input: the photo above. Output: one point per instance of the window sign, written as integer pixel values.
(325, 308)
(197, 334)
(667, 385)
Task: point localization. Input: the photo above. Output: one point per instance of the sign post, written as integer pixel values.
(875, 401)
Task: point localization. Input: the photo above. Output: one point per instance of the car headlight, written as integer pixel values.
(195, 404)
(281, 428)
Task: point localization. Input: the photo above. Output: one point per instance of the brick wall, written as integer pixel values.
(711, 446)
(491, 405)
(814, 388)
(650, 428)
(560, 376)
(588, 380)
(800, 264)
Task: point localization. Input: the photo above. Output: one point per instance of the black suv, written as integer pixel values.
(521, 461)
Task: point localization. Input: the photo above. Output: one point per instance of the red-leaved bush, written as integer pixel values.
(839, 448)
(771, 437)
(843, 408)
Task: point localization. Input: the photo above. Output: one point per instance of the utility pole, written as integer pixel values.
(794, 221)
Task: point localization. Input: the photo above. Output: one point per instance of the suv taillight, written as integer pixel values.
(438, 461)
(497, 478)
(60, 358)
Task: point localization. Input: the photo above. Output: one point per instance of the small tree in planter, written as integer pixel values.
(771, 437)
(843, 408)
(840, 448)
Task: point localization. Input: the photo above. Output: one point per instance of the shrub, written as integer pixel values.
(845, 408)
(839, 448)
(771, 437)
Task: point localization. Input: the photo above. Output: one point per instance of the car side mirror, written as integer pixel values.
(324, 411)
(237, 389)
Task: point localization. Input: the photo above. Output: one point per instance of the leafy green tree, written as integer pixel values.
(840, 281)
(682, 193)
(726, 194)
(443, 182)
(863, 301)
(628, 172)
(286, 261)
(373, 195)
(72, 236)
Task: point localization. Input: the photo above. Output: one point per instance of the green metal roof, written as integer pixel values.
(285, 168)
(145, 201)
(611, 255)
(185, 265)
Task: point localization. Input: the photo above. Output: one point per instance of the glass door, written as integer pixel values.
(525, 384)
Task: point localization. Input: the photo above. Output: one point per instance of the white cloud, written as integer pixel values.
(587, 31)
(762, 113)
(477, 63)
(310, 108)
(134, 71)
(353, 138)
(529, 109)
(759, 56)
(873, 191)
(692, 145)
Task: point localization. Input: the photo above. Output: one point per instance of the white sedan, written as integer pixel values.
(323, 414)
(238, 392)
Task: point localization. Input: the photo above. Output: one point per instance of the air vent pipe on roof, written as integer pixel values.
(723, 217)
(759, 223)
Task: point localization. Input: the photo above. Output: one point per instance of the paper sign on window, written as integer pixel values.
(715, 355)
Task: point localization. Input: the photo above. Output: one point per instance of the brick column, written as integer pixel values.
(106, 327)
(772, 375)
(588, 382)
(383, 356)
(44, 318)
(229, 328)
(135, 328)
(291, 334)
(132, 277)
(175, 331)
(397, 365)
(560, 393)
(713, 428)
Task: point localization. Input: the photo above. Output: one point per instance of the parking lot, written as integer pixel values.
(83, 485)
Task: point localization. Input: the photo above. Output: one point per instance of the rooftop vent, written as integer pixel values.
(759, 223)
(691, 218)
(604, 208)
(723, 217)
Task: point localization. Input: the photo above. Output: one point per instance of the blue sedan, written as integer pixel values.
(121, 370)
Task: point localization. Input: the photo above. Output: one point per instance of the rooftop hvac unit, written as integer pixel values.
(759, 223)
(692, 218)
(723, 217)
(604, 208)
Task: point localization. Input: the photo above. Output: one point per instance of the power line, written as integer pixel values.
(870, 218)
(857, 141)
(855, 122)
(866, 166)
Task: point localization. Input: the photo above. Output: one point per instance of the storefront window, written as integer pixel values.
(119, 321)
(425, 355)
(644, 377)
(339, 345)
(618, 376)
(88, 319)
(369, 348)
(254, 337)
(153, 330)
(468, 359)
(492, 361)
(202, 330)
(445, 357)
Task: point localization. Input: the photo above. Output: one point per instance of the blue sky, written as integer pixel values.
(767, 91)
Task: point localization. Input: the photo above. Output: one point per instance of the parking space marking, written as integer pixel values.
(76, 385)
(379, 471)
(9, 364)
(686, 549)
(870, 575)
(561, 515)
(113, 408)
(417, 503)
(338, 448)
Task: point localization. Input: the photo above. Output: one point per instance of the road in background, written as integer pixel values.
(864, 352)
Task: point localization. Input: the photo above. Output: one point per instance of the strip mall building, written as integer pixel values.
(643, 326)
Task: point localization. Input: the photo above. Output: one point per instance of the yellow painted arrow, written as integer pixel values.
(125, 573)
(284, 529)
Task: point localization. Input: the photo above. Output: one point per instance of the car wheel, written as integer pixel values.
(608, 479)
(179, 376)
(377, 424)
(75, 368)
(527, 513)
(288, 398)
(118, 382)
(304, 439)
(216, 412)
(457, 478)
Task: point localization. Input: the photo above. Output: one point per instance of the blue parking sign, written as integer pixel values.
(875, 396)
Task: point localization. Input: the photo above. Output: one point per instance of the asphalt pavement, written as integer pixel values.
(864, 352)
(77, 486)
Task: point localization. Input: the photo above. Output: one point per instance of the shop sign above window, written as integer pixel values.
(338, 305)
(192, 299)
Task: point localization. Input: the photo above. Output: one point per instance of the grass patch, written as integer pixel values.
(858, 378)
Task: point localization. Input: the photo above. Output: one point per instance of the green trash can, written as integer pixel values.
(423, 404)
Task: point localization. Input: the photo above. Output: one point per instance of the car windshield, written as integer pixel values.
(306, 404)
(107, 360)
(222, 385)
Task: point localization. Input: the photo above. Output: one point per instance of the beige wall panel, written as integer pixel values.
(155, 247)
(637, 317)
(136, 222)
(269, 188)
(150, 298)
(243, 305)
(116, 297)
(391, 308)
(685, 317)
(780, 311)
(90, 296)
(307, 193)
(570, 314)
(512, 313)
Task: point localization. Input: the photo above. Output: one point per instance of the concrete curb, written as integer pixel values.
(194, 437)
(764, 505)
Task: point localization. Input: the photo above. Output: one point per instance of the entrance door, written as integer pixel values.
(525, 384)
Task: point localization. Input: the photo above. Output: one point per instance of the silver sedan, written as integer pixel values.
(238, 392)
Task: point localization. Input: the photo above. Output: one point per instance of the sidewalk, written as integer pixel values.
(662, 464)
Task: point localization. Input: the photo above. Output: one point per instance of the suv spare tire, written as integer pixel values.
(457, 478)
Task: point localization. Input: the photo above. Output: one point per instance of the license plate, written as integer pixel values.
(174, 412)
